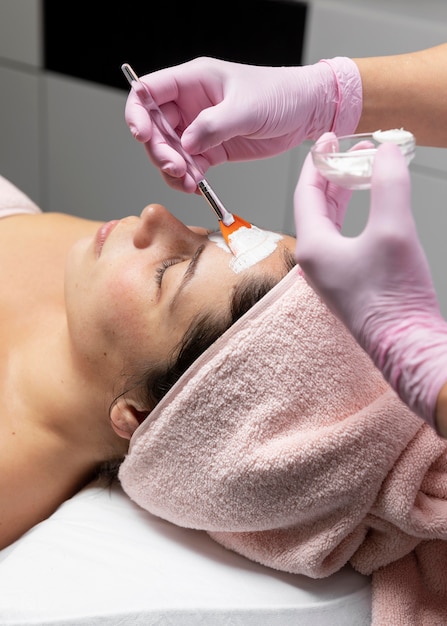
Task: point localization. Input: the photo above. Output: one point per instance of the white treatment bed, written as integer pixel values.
(100, 560)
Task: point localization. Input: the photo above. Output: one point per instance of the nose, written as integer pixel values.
(156, 223)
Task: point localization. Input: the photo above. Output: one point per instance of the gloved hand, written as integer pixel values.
(379, 282)
(235, 112)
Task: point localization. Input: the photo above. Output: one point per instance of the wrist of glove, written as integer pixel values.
(349, 100)
(319, 98)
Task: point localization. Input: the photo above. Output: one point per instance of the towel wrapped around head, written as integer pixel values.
(286, 444)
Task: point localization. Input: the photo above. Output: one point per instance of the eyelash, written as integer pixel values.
(159, 272)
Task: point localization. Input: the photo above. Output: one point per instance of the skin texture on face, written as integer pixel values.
(134, 288)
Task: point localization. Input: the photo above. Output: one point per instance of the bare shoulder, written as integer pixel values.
(20, 502)
(31, 488)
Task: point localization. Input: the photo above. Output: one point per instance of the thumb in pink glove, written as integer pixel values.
(227, 111)
(379, 282)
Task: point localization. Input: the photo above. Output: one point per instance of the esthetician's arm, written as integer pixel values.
(406, 90)
(379, 282)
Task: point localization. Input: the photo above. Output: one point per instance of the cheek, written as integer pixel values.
(133, 318)
(127, 303)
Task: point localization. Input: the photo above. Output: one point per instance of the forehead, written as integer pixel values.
(257, 248)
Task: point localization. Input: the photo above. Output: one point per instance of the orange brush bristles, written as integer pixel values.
(238, 223)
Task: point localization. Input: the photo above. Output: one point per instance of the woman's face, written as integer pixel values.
(133, 289)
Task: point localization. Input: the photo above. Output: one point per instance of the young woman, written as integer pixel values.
(97, 322)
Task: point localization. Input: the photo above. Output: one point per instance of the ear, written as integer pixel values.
(126, 417)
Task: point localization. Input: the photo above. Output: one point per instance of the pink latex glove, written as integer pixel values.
(379, 282)
(235, 112)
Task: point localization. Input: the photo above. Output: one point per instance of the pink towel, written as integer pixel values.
(286, 444)
(13, 201)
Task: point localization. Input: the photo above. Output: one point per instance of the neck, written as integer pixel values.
(65, 400)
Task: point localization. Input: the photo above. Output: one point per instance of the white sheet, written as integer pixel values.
(100, 560)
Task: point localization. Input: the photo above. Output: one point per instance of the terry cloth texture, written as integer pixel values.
(286, 445)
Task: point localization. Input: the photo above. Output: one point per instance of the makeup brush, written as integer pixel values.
(229, 223)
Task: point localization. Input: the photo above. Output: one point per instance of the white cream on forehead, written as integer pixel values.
(249, 245)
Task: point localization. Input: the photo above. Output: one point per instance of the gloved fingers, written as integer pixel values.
(184, 92)
(165, 158)
(390, 206)
(137, 112)
(163, 84)
(362, 145)
(328, 142)
(313, 225)
(187, 80)
(392, 229)
(337, 197)
(318, 203)
(219, 123)
(172, 166)
(185, 183)
(210, 128)
(137, 118)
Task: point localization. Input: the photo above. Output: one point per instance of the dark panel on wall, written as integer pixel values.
(91, 40)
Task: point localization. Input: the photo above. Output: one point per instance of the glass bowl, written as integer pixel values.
(348, 160)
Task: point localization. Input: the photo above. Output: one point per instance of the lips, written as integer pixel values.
(102, 234)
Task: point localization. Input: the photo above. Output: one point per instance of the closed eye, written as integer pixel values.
(159, 272)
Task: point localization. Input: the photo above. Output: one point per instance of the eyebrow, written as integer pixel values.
(288, 259)
(189, 273)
